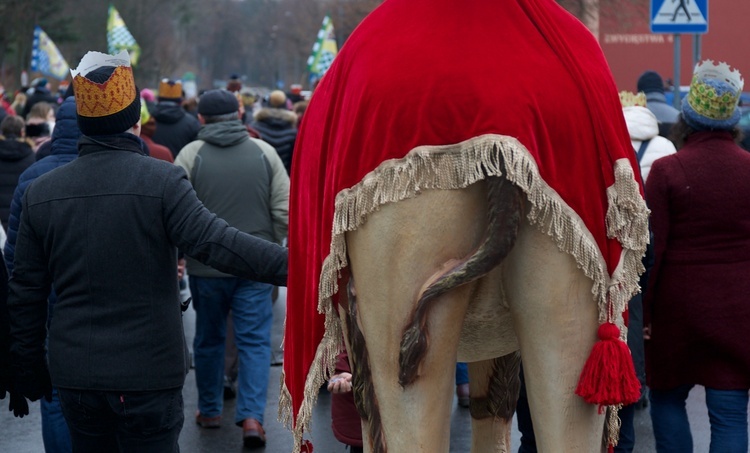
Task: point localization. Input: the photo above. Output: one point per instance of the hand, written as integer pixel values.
(647, 332)
(18, 404)
(34, 382)
(180, 268)
(340, 383)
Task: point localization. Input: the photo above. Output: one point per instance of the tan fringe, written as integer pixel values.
(458, 166)
(613, 424)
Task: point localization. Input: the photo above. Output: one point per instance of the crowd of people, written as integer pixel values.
(206, 186)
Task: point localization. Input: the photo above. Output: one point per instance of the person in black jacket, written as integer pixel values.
(277, 126)
(16, 155)
(63, 149)
(105, 229)
(175, 128)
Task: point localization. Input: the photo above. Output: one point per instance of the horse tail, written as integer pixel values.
(505, 206)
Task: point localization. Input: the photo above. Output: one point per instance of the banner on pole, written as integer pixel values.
(119, 37)
(324, 50)
(46, 58)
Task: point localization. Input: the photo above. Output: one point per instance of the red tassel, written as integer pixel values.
(611, 448)
(307, 447)
(608, 377)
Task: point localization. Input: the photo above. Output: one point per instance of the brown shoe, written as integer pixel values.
(253, 435)
(462, 392)
(208, 422)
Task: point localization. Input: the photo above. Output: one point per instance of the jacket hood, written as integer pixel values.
(168, 112)
(224, 134)
(642, 124)
(283, 117)
(15, 149)
(66, 133)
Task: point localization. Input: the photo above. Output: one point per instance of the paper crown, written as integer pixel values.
(714, 95)
(630, 99)
(96, 100)
(170, 89)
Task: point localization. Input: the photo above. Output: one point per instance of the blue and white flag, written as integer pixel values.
(119, 37)
(46, 58)
(324, 50)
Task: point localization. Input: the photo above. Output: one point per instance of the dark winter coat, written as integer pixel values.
(16, 155)
(63, 149)
(174, 127)
(277, 127)
(105, 229)
(697, 297)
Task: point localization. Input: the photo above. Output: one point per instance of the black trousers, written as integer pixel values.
(124, 422)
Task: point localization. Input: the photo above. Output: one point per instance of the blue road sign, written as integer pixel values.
(679, 16)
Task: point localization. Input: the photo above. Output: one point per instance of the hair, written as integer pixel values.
(682, 130)
(277, 99)
(210, 119)
(39, 110)
(12, 126)
(19, 100)
(190, 104)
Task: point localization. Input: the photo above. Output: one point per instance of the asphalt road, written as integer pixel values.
(24, 435)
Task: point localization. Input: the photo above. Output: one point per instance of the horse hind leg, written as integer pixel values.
(365, 398)
(504, 211)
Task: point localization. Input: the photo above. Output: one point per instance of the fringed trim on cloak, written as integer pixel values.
(627, 221)
(453, 167)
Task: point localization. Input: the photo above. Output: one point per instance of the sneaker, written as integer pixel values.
(207, 422)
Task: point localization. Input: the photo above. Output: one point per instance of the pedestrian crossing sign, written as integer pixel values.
(679, 16)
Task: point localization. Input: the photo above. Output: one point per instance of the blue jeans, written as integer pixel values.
(143, 422)
(252, 317)
(462, 373)
(55, 432)
(727, 413)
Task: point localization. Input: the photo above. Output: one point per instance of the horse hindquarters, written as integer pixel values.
(555, 318)
(392, 256)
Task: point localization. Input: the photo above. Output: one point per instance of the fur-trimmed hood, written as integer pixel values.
(273, 115)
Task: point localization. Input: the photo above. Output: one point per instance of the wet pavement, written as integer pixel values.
(24, 435)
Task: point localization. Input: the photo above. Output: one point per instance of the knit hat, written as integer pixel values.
(107, 100)
(148, 95)
(713, 99)
(650, 82)
(217, 102)
(170, 90)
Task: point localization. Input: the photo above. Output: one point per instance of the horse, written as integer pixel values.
(487, 228)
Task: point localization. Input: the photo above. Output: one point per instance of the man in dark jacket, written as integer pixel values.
(174, 127)
(278, 126)
(651, 83)
(16, 155)
(104, 229)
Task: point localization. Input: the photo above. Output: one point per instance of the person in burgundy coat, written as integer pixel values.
(697, 305)
(345, 420)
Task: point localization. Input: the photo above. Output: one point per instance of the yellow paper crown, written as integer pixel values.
(96, 100)
(715, 90)
(630, 99)
(170, 89)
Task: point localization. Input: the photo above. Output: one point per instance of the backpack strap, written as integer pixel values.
(642, 150)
